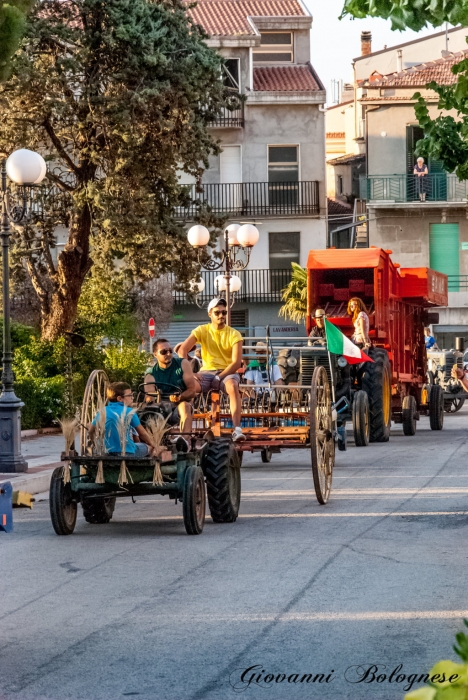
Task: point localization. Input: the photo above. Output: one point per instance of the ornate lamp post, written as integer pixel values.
(24, 168)
(236, 238)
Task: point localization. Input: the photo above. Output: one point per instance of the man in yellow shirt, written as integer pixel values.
(221, 349)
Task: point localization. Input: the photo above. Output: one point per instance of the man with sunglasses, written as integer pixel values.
(174, 378)
(221, 349)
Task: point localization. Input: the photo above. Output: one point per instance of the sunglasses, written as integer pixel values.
(165, 352)
(220, 313)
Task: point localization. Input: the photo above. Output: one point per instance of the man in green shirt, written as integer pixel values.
(174, 378)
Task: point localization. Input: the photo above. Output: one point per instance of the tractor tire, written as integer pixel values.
(194, 500)
(221, 467)
(377, 383)
(98, 511)
(436, 407)
(409, 413)
(361, 419)
(266, 455)
(63, 508)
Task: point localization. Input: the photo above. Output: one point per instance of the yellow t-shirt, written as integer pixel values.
(216, 346)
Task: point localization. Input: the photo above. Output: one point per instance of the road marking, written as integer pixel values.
(359, 492)
(334, 616)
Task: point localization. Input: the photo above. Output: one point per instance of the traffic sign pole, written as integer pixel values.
(151, 331)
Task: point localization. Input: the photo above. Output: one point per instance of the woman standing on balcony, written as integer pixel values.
(421, 172)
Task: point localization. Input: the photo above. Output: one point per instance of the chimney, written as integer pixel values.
(399, 61)
(366, 43)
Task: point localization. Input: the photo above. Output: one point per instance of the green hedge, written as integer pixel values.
(44, 401)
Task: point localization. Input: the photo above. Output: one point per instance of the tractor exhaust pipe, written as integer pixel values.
(460, 344)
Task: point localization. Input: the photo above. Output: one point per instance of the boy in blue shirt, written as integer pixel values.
(119, 400)
(430, 340)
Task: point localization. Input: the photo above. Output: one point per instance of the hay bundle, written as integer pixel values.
(123, 428)
(100, 441)
(157, 428)
(70, 428)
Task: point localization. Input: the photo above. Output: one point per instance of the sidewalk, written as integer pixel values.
(42, 453)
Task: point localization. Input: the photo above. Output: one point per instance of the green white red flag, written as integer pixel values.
(339, 344)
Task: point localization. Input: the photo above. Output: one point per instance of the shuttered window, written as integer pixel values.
(444, 250)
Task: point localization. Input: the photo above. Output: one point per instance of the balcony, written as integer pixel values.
(254, 199)
(257, 286)
(230, 118)
(438, 187)
(458, 283)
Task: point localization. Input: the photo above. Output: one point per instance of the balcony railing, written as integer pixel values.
(233, 118)
(436, 187)
(457, 283)
(257, 286)
(254, 199)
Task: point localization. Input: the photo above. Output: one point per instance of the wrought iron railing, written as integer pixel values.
(230, 118)
(257, 286)
(254, 198)
(435, 187)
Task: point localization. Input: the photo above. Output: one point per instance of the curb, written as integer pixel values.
(41, 431)
(30, 483)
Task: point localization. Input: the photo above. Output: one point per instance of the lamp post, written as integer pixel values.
(24, 168)
(236, 238)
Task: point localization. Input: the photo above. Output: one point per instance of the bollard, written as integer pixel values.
(6, 507)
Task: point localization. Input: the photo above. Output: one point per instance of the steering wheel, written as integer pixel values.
(156, 394)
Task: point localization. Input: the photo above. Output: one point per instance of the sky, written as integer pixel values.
(335, 43)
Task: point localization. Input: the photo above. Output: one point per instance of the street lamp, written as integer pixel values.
(24, 168)
(236, 238)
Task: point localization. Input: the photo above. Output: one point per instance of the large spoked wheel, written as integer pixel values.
(453, 405)
(98, 511)
(194, 501)
(436, 407)
(361, 419)
(63, 507)
(94, 398)
(322, 444)
(223, 480)
(410, 412)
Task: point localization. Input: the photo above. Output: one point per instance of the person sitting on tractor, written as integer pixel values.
(221, 348)
(172, 376)
(261, 371)
(358, 312)
(460, 374)
(429, 340)
(318, 331)
(119, 401)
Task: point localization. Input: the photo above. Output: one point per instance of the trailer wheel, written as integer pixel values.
(266, 455)
(194, 501)
(63, 508)
(322, 444)
(98, 511)
(409, 412)
(223, 480)
(361, 419)
(453, 405)
(436, 407)
(377, 383)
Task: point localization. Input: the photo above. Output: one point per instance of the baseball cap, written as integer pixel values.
(216, 302)
(319, 313)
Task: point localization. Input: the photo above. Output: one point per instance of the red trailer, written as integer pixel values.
(398, 301)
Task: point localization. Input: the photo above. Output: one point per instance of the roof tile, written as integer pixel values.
(229, 17)
(285, 79)
(439, 70)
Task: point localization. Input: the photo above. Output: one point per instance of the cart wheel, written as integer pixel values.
(436, 407)
(194, 500)
(223, 480)
(361, 419)
(63, 507)
(409, 413)
(322, 443)
(453, 405)
(93, 399)
(266, 455)
(98, 511)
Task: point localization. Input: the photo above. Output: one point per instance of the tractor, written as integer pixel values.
(440, 364)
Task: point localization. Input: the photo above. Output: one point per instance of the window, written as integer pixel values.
(231, 74)
(283, 164)
(340, 184)
(275, 47)
(284, 249)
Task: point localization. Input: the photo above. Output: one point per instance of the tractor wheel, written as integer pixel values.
(377, 383)
(63, 508)
(436, 407)
(266, 455)
(361, 419)
(409, 412)
(98, 511)
(223, 480)
(453, 405)
(322, 443)
(194, 500)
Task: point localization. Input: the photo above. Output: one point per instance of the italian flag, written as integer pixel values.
(339, 344)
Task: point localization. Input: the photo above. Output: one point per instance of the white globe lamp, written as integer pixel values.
(26, 167)
(235, 283)
(220, 283)
(198, 236)
(232, 230)
(248, 235)
(197, 287)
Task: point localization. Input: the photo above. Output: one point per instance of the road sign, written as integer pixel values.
(151, 327)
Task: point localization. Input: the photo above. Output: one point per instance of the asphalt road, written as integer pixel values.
(138, 608)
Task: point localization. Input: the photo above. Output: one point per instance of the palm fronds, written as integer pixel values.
(157, 428)
(70, 428)
(295, 295)
(123, 428)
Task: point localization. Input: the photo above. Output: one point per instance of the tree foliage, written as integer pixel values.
(120, 94)
(12, 26)
(295, 295)
(411, 14)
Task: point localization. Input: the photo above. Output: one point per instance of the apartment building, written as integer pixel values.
(271, 170)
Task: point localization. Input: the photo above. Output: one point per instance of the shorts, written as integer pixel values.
(206, 380)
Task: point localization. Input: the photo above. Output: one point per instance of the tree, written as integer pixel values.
(412, 14)
(119, 93)
(295, 295)
(12, 26)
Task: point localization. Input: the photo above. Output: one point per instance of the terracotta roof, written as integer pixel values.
(336, 134)
(393, 98)
(349, 158)
(439, 70)
(286, 78)
(335, 207)
(229, 17)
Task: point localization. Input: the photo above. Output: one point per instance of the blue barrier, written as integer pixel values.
(6, 507)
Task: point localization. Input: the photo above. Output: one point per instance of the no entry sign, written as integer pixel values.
(151, 327)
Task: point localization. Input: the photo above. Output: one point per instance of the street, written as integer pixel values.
(138, 608)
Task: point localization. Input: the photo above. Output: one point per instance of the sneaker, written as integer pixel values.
(237, 435)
